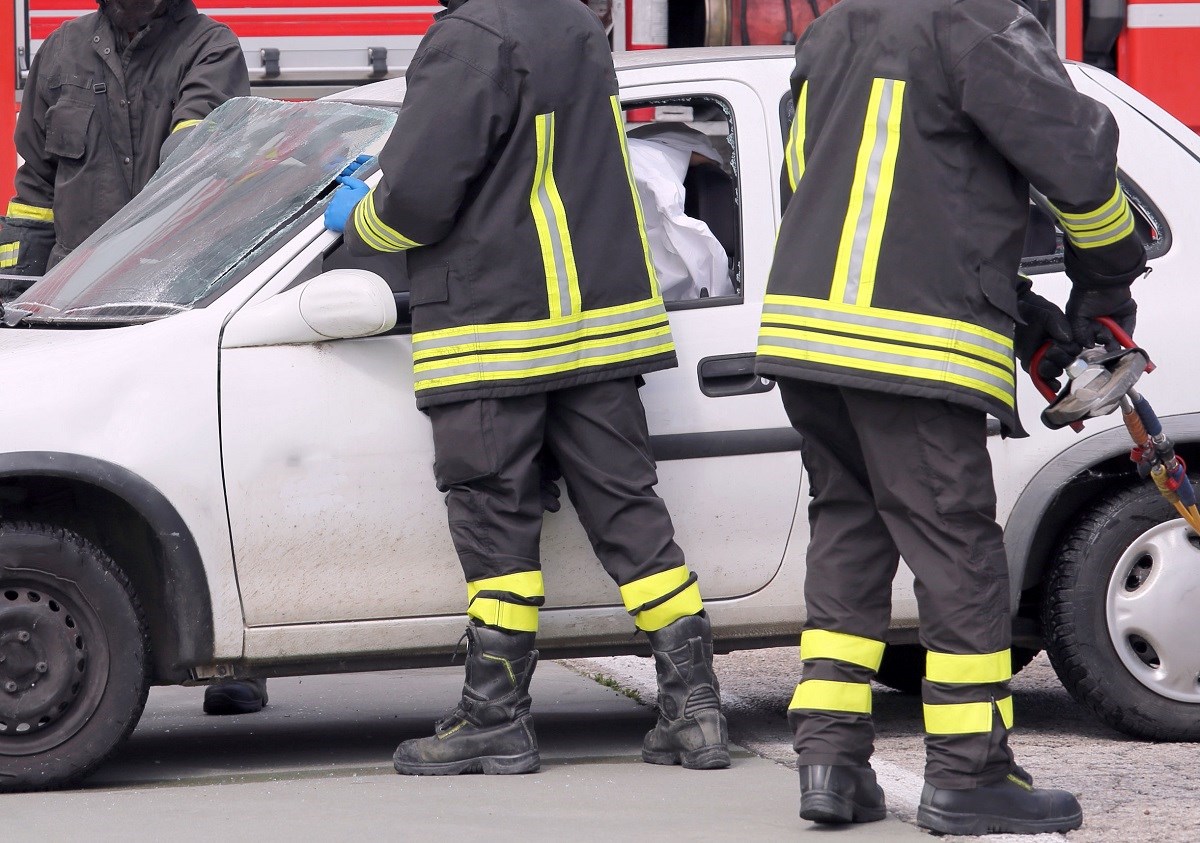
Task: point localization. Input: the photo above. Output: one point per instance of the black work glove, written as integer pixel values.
(1085, 305)
(1044, 323)
(549, 487)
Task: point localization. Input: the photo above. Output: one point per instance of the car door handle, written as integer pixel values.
(731, 374)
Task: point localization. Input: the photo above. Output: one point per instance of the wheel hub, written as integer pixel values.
(43, 658)
(1152, 620)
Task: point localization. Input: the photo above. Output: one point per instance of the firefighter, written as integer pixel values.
(889, 325)
(535, 309)
(109, 96)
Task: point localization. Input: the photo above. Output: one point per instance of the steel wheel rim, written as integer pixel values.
(1152, 612)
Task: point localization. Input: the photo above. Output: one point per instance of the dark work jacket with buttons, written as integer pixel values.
(101, 109)
(920, 127)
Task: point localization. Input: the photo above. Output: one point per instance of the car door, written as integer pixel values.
(328, 464)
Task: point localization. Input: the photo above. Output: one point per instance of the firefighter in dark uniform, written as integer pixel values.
(889, 324)
(109, 96)
(535, 309)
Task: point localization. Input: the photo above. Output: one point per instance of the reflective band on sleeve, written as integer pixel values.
(656, 586)
(185, 124)
(795, 146)
(840, 646)
(9, 255)
(651, 273)
(967, 718)
(952, 669)
(550, 218)
(21, 211)
(374, 232)
(825, 695)
(870, 195)
(1104, 226)
(504, 615)
(522, 584)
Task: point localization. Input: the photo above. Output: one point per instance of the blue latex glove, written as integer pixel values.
(354, 165)
(345, 200)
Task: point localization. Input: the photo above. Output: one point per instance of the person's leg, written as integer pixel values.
(598, 434)
(486, 461)
(850, 564)
(932, 479)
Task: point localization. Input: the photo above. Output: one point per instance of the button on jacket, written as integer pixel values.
(507, 181)
(99, 113)
(910, 158)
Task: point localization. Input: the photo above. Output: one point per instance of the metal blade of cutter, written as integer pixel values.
(1098, 380)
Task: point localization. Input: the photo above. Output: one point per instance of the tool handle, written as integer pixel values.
(1147, 415)
(1047, 392)
(1123, 338)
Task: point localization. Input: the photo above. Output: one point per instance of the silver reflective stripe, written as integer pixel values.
(1101, 215)
(1109, 235)
(795, 148)
(937, 369)
(553, 222)
(871, 189)
(867, 319)
(567, 330)
(528, 366)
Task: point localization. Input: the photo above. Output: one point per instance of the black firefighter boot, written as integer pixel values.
(840, 794)
(491, 730)
(691, 729)
(1009, 806)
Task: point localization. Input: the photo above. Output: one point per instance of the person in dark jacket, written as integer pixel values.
(889, 324)
(535, 308)
(109, 96)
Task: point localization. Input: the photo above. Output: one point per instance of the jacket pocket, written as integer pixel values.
(67, 129)
(1000, 290)
(431, 285)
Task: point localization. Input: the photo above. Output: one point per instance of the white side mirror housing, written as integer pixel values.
(338, 305)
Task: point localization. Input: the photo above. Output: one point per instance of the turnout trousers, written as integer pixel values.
(894, 476)
(488, 461)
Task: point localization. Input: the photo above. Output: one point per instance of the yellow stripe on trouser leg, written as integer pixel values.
(655, 587)
(503, 614)
(826, 695)
(967, 718)
(842, 647)
(954, 669)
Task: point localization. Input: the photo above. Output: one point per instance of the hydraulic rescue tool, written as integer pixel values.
(1099, 381)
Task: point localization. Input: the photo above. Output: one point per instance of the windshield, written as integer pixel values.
(237, 178)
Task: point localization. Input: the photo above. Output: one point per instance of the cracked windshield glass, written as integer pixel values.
(253, 165)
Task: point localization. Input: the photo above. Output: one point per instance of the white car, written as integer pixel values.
(212, 464)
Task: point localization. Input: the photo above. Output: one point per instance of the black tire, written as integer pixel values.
(73, 678)
(904, 664)
(1074, 616)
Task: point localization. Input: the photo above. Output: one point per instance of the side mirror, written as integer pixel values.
(338, 305)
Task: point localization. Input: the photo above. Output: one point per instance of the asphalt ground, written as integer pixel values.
(1131, 791)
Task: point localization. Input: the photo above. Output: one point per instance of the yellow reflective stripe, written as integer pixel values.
(21, 211)
(795, 147)
(501, 327)
(540, 353)
(9, 255)
(841, 270)
(550, 219)
(523, 584)
(504, 615)
(683, 604)
(1104, 211)
(651, 273)
(185, 124)
(654, 587)
(852, 649)
(540, 220)
(886, 313)
(1109, 234)
(1104, 226)
(375, 232)
(825, 695)
(584, 331)
(955, 669)
(967, 718)
(640, 592)
(883, 197)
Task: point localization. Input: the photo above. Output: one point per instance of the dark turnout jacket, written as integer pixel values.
(100, 111)
(508, 183)
(920, 126)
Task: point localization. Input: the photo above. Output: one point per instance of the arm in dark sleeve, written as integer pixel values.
(28, 235)
(217, 73)
(456, 109)
(1014, 88)
(793, 144)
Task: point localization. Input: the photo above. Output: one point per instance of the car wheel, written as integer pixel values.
(73, 656)
(903, 666)
(1121, 620)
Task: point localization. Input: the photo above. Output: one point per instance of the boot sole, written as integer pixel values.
(488, 765)
(832, 809)
(704, 758)
(219, 705)
(945, 822)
